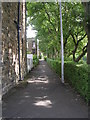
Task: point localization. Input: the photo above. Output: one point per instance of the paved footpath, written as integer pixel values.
(44, 97)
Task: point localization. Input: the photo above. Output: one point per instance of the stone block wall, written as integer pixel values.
(10, 59)
(0, 65)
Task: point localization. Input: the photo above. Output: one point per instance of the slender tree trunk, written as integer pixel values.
(88, 50)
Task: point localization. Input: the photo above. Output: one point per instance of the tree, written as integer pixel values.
(46, 20)
(87, 27)
(74, 20)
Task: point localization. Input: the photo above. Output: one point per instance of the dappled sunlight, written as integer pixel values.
(40, 79)
(40, 98)
(43, 65)
(37, 81)
(41, 60)
(43, 71)
(43, 103)
(27, 96)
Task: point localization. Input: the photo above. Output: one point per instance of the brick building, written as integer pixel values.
(14, 59)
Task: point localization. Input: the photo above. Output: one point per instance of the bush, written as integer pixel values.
(89, 83)
(40, 56)
(28, 52)
(45, 58)
(75, 74)
(35, 60)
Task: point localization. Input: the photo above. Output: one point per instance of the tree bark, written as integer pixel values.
(84, 50)
(88, 49)
(87, 27)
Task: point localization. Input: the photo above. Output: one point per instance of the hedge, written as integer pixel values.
(75, 74)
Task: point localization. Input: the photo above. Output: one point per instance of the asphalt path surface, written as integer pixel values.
(44, 97)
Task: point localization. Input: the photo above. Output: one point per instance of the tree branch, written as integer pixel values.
(73, 38)
(66, 41)
(84, 51)
(49, 17)
(82, 38)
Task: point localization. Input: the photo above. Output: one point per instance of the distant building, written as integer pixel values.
(31, 46)
(38, 51)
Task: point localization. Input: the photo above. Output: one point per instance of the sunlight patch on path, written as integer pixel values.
(43, 103)
(40, 79)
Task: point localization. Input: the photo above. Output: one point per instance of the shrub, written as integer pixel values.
(45, 58)
(75, 74)
(28, 52)
(35, 60)
(89, 83)
(40, 56)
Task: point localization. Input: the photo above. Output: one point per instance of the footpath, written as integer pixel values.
(44, 97)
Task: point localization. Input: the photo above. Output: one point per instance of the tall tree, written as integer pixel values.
(46, 20)
(87, 27)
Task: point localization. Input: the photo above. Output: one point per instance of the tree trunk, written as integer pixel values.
(87, 7)
(87, 27)
(88, 50)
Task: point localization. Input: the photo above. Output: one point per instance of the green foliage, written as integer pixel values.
(45, 18)
(68, 58)
(35, 60)
(28, 52)
(40, 56)
(45, 58)
(75, 74)
(89, 82)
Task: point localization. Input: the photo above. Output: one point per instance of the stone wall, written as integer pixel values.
(10, 59)
(0, 65)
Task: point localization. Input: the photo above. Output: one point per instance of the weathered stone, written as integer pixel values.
(10, 62)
